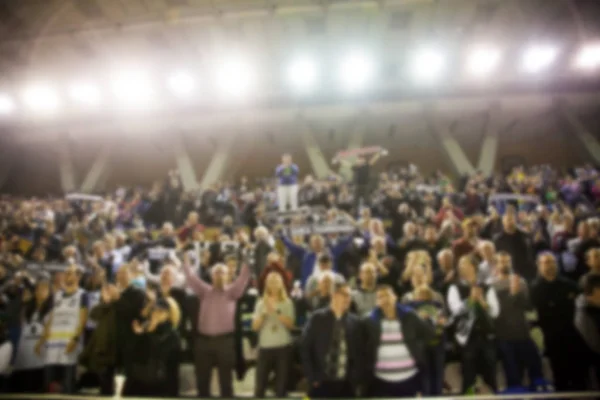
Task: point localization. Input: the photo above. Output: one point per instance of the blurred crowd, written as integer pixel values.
(361, 284)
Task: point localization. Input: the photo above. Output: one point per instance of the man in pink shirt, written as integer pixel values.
(214, 345)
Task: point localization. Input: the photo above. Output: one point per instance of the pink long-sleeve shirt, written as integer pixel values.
(217, 306)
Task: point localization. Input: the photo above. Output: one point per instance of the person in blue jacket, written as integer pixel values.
(309, 256)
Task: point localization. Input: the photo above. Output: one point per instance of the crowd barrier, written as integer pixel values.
(532, 396)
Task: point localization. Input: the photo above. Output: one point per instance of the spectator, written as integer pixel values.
(515, 242)
(468, 243)
(395, 348)
(364, 297)
(593, 263)
(273, 320)
(287, 191)
(331, 348)
(587, 320)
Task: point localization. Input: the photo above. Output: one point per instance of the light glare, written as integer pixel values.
(133, 88)
(85, 93)
(588, 57)
(41, 97)
(7, 105)
(428, 65)
(356, 71)
(182, 83)
(235, 77)
(483, 61)
(302, 74)
(539, 58)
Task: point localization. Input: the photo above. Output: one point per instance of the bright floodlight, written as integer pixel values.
(85, 93)
(357, 70)
(302, 73)
(539, 58)
(588, 57)
(133, 88)
(428, 65)
(41, 98)
(483, 61)
(7, 105)
(235, 77)
(181, 83)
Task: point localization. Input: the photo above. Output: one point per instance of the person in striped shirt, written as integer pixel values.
(396, 338)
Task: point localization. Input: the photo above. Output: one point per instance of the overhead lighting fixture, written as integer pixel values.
(539, 58)
(303, 74)
(588, 57)
(483, 61)
(133, 88)
(235, 77)
(428, 65)
(182, 83)
(41, 98)
(85, 93)
(357, 71)
(7, 105)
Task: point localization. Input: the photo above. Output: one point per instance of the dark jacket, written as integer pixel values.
(128, 308)
(518, 246)
(316, 339)
(155, 362)
(417, 334)
(101, 351)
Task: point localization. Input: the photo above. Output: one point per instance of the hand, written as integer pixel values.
(137, 327)
(71, 346)
(476, 293)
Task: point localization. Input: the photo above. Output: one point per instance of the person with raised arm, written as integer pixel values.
(214, 345)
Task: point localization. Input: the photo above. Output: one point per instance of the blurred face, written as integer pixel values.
(316, 243)
(286, 159)
(42, 291)
(367, 274)
(509, 222)
(59, 279)
(325, 284)
(341, 299)
(219, 275)
(376, 227)
(547, 267)
(325, 266)
(167, 229)
(487, 251)
(385, 299)
(410, 229)
(593, 259)
(274, 283)
(430, 234)
(192, 218)
(71, 277)
(418, 277)
(504, 264)
(583, 230)
(166, 277)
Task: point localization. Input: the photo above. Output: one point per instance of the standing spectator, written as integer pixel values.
(273, 319)
(468, 243)
(64, 331)
(554, 300)
(487, 266)
(287, 190)
(364, 298)
(262, 248)
(331, 348)
(395, 348)
(515, 242)
(324, 266)
(214, 345)
(587, 320)
(446, 275)
(517, 350)
(475, 306)
(593, 263)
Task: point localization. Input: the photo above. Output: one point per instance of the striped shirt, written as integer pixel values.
(394, 362)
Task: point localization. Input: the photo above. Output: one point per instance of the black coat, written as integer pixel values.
(128, 308)
(316, 339)
(519, 247)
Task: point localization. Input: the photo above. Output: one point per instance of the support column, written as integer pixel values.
(589, 144)
(357, 135)
(97, 170)
(218, 163)
(456, 156)
(184, 165)
(318, 162)
(65, 165)
(489, 146)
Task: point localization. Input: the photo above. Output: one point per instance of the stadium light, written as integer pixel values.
(133, 88)
(7, 105)
(537, 59)
(303, 74)
(428, 65)
(588, 57)
(41, 98)
(85, 93)
(181, 83)
(483, 61)
(235, 77)
(356, 70)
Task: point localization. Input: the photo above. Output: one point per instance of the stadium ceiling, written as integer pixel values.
(57, 40)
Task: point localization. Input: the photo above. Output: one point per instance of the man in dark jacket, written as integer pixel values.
(395, 348)
(587, 320)
(515, 242)
(331, 348)
(554, 300)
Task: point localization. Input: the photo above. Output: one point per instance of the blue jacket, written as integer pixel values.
(309, 258)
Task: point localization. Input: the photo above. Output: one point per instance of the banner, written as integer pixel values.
(514, 197)
(321, 229)
(358, 152)
(34, 267)
(83, 197)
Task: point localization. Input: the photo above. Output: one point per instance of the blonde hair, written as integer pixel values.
(174, 312)
(424, 292)
(282, 295)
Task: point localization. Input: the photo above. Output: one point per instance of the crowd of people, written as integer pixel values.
(368, 286)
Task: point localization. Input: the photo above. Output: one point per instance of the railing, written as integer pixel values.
(566, 395)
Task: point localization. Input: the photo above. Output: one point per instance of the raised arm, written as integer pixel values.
(297, 251)
(193, 281)
(237, 288)
(339, 248)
